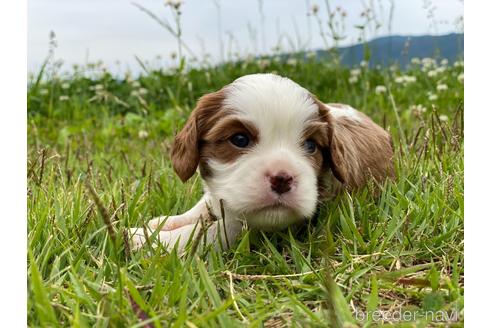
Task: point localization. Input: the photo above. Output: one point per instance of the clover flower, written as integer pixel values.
(143, 134)
(380, 89)
(418, 109)
(292, 61)
(432, 96)
(428, 63)
(442, 87)
(461, 78)
(405, 79)
(432, 73)
(263, 63)
(443, 118)
(353, 79)
(441, 69)
(311, 54)
(409, 78)
(355, 72)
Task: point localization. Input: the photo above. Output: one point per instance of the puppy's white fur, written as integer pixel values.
(280, 110)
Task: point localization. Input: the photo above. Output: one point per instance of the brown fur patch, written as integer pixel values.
(206, 135)
(216, 143)
(357, 151)
(185, 154)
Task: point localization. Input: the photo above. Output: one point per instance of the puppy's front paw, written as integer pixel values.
(137, 238)
(168, 223)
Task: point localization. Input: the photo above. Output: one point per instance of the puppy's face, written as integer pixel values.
(261, 146)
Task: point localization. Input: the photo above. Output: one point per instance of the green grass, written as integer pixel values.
(400, 251)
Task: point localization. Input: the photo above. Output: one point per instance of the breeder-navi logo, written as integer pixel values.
(409, 316)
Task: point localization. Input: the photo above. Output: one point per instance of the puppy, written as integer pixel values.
(267, 151)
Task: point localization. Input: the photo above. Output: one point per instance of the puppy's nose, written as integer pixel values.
(281, 182)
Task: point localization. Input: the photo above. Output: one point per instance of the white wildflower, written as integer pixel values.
(393, 68)
(98, 87)
(43, 92)
(134, 93)
(363, 63)
(428, 62)
(291, 61)
(355, 72)
(311, 54)
(208, 77)
(142, 91)
(441, 69)
(249, 58)
(418, 109)
(136, 84)
(443, 118)
(263, 63)
(399, 79)
(405, 79)
(415, 61)
(461, 77)
(143, 134)
(442, 87)
(353, 79)
(409, 78)
(444, 62)
(380, 89)
(64, 98)
(65, 86)
(432, 73)
(459, 63)
(432, 96)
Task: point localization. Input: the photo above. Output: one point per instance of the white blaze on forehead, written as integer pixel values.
(278, 106)
(346, 111)
(280, 109)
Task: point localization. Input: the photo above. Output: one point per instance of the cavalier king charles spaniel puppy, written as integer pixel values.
(267, 151)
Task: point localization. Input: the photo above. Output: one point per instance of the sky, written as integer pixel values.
(116, 31)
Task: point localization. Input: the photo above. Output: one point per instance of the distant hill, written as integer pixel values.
(401, 49)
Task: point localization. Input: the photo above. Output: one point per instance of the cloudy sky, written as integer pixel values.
(116, 31)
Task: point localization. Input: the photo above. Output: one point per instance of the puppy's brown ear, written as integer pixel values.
(358, 148)
(185, 151)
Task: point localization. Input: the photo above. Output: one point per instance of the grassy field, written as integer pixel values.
(362, 261)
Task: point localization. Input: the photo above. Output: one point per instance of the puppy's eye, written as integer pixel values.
(240, 140)
(310, 146)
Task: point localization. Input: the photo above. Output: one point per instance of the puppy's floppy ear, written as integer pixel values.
(358, 149)
(185, 151)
